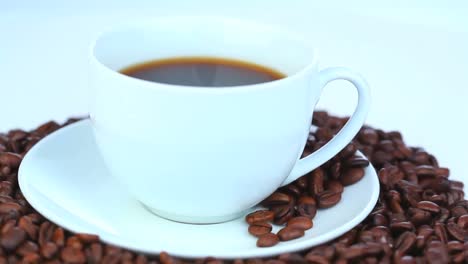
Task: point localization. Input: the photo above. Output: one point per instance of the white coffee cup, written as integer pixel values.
(206, 155)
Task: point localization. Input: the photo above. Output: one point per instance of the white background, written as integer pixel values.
(415, 58)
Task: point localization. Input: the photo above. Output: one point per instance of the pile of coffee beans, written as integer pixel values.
(295, 205)
(421, 215)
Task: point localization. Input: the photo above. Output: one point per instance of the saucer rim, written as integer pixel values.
(254, 252)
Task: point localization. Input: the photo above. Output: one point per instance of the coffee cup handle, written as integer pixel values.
(346, 134)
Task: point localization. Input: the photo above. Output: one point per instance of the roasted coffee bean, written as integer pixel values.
(319, 118)
(440, 185)
(379, 220)
(110, 249)
(408, 187)
(259, 228)
(284, 216)
(317, 259)
(394, 198)
(116, 258)
(456, 232)
(412, 199)
(307, 206)
(419, 156)
(443, 215)
(412, 177)
(292, 258)
(379, 157)
(394, 135)
(454, 196)
(48, 250)
(31, 258)
(47, 128)
(460, 258)
(348, 151)
(427, 193)
(382, 235)
(423, 234)
(458, 211)
(292, 189)
(12, 238)
(463, 222)
(401, 226)
(306, 199)
(406, 166)
(366, 236)
(45, 233)
(6, 188)
(397, 217)
(11, 216)
(281, 210)
(58, 237)
(302, 182)
(267, 240)
(317, 146)
(425, 170)
(405, 260)
(454, 247)
(403, 150)
(289, 233)
(142, 259)
(386, 145)
(87, 238)
(440, 232)
(27, 225)
(429, 206)
(17, 135)
(351, 176)
(335, 171)
(418, 216)
(442, 172)
(456, 185)
(323, 134)
(327, 251)
(7, 225)
(35, 218)
(72, 255)
(26, 248)
(373, 248)
(277, 198)
(260, 216)
(95, 252)
(353, 252)
(9, 206)
(437, 199)
(10, 159)
(335, 186)
(404, 243)
(165, 258)
(384, 177)
(357, 161)
(316, 181)
(328, 199)
(368, 136)
(336, 123)
(300, 222)
(436, 252)
(74, 242)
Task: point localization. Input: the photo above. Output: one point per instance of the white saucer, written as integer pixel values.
(64, 178)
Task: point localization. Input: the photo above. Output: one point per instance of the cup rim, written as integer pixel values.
(305, 70)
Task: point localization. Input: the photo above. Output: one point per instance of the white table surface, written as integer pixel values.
(416, 60)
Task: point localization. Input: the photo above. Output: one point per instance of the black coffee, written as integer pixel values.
(202, 71)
